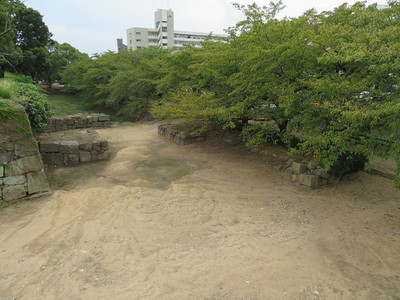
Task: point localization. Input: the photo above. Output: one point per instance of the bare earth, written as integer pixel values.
(163, 221)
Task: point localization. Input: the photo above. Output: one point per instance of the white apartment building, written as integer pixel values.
(163, 35)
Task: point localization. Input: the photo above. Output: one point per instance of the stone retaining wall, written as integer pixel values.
(72, 147)
(306, 173)
(179, 136)
(21, 167)
(77, 121)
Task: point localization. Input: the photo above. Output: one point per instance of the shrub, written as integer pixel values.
(19, 77)
(36, 104)
(348, 163)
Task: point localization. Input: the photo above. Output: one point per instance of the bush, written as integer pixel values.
(36, 104)
(19, 77)
(348, 163)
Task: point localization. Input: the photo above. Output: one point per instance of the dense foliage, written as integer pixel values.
(325, 84)
(18, 89)
(125, 81)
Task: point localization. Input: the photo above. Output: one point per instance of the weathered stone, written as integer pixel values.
(96, 146)
(49, 147)
(298, 167)
(80, 123)
(322, 173)
(295, 177)
(5, 146)
(88, 119)
(37, 182)
(69, 122)
(73, 159)
(102, 156)
(309, 180)
(106, 124)
(85, 147)
(69, 147)
(53, 159)
(24, 165)
(103, 144)
(61, 127)
(25, 148)
(12, 192)
(85, 156)
(103, 118)
(1, 171)
(5, 157)
(19, 179)
(97, 124)
(95, 118)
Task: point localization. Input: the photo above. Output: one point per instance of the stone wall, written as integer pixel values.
(21, 167)
(72, 147)
(179, 136)
(307, 173)
(77, 121)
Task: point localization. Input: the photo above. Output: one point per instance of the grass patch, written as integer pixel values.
(64, 104)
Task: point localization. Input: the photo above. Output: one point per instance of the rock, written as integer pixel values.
(85, 156)
(73, 159)
(102, 156)
(309, 180)
(103, 118)
(106, 124)
(1, 171)
(96, 124)
(5, 157)
(12, 192)
(85, 147)
(12, 180)
(37, 182)
(322, 173)
(26, 148)
(295, 177)
(69, 147)
(298, 168)
(49, 147)
(24, 165)
(53, 159)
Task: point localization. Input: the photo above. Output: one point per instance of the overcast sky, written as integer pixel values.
(92, 26)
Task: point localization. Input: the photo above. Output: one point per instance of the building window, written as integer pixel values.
(130, 34)
(138, 40)
(138, 33)
(165, 44)
(164, 29)
(130, 41)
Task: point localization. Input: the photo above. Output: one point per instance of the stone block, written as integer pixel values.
(102, 156)
(85, 156)
(295, 177)
(49, 147)
(103, 118)
(322, 173)
(97, 124)
(24, 165)
(5, 147)
(309, 180)
(25, 148)
(95, 118)
(69, 122)
(37, 182)
(69, 147)
(103, 144)
(1, 171)
(5, 157)
(73, 159)
(61, 127)
(80, 123)
(53, 159)
(85, 147)
(298, 167)
(12, 192)
(12, 180)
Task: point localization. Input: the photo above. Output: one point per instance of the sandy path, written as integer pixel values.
(162, 221)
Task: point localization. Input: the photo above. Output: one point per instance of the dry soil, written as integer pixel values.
(163, 221)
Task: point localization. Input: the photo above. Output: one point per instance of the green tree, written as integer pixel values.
(58, 57)
(31, 36)
(8, 51)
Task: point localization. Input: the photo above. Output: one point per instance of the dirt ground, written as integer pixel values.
(163, 221)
